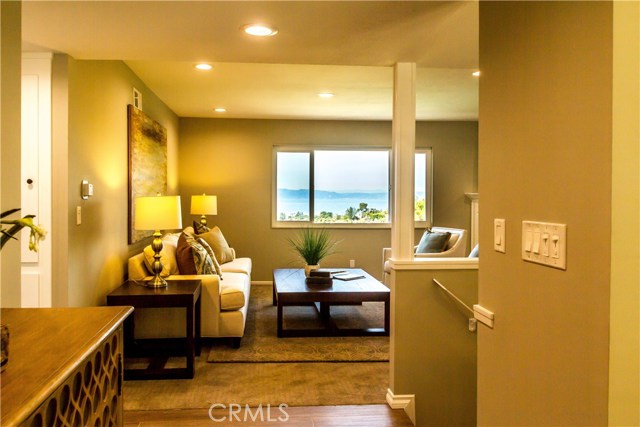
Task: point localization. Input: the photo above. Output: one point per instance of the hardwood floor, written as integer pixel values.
(309, 416)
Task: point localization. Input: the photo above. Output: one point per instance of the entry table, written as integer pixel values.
(178, 293)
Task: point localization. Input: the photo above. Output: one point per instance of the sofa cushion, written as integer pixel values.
(433, 242)
(216, 264)
(238, 265)
(184, 256)
(219, 244)
(167, 256)
(200, 259)
(232, 291)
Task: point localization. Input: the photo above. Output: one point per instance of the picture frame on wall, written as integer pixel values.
(147, 142)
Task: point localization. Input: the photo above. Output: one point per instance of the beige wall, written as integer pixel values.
(99, 92)
(624, 368)
(434, 353)
(10, 80)
(233, 160)
(545, 155)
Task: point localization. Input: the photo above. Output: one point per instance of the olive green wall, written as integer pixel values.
(545, 141)
(10, 70)
(434, 353)
(98, 94)
(233, 160)
(624, 369)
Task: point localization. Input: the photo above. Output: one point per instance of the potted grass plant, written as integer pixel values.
(312, 245)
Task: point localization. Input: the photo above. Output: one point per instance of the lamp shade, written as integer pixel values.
(158, 213)
(204, 205)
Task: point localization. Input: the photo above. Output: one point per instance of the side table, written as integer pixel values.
(178, 293)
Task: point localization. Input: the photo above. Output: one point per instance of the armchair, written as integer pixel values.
(456, 247)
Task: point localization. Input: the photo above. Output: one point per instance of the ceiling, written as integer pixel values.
(344, 47)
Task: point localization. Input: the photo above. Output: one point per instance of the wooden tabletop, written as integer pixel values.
(292, 281)
(46, 345)
(138, 295)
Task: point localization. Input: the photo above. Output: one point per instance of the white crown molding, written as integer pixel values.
(407, 402)
(37, 55)
(443, 263)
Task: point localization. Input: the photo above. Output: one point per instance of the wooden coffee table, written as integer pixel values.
(178, 293)
(290, 289)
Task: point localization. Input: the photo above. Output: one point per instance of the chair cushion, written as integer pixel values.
(232, 291)
(433, 242)
(219, 244)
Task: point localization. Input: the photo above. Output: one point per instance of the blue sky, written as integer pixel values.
(342, 171)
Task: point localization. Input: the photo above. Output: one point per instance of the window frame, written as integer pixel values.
(275, 223)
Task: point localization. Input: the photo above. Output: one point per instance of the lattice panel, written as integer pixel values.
(91, 396)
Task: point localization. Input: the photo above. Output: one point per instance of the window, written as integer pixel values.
(341, 187)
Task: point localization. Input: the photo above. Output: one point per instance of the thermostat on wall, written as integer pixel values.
(87, 189)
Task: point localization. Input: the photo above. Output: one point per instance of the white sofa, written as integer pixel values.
(456, 247)
(224, 302)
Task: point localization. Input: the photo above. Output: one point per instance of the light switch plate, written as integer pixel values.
(499, 234)
(545, 243)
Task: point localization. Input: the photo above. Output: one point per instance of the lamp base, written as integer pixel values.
(156, 282)
(156, 245)
(203, 220)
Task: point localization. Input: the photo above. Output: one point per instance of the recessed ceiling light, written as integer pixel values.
(325, 95)
(476, 73)
(260, 30)
(203, 66)
(220, 110)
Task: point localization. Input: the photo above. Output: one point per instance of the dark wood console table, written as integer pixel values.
(178, 293)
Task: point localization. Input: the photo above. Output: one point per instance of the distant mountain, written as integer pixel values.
(285, 193)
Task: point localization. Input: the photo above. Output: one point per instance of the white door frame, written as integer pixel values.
(36, 177)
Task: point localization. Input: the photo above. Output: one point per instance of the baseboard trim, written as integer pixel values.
(261, 282)
(403, 401)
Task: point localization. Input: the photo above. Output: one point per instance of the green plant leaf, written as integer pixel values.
(9, 212)
(313, 245)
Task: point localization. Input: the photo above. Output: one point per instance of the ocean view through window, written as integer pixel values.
(340, 186)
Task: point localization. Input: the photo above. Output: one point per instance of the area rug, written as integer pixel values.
(260, 343)
(295, 384)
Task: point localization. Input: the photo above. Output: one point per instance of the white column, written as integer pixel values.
(403, 152)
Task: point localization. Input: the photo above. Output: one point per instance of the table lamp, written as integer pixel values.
(158, 213)
(204, 205)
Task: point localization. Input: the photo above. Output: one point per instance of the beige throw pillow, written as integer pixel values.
(167, 258)
(218, 243)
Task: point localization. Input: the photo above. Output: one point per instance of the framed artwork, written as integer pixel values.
(147, 163)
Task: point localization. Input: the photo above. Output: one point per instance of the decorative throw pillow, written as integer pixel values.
(433, 242)
(167, 258)
(189, 231)
(184, 256)
(201, 259)
(200, 228)
(216, 264)
(218, 243)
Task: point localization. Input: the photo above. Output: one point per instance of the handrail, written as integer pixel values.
(472, 320)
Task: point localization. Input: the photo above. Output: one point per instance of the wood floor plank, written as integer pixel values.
(309, 416)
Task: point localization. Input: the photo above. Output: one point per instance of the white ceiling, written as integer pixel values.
(345, 47)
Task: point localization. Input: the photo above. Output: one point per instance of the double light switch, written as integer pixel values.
(545, 243)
